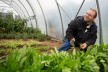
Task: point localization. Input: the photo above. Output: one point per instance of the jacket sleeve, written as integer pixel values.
(71, 28)
(93, 38)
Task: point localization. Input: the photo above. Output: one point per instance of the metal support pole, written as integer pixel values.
(100, 23)
(60, 18)
(33, 12)
(44, 17)
(26, 11)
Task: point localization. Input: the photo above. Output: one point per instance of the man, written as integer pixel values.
(81, 32)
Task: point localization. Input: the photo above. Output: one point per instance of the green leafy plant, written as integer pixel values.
(27, 59)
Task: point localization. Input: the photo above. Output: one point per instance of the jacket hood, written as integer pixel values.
(80, 18)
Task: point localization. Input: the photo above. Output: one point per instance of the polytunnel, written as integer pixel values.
(33, 36)
(53, 16)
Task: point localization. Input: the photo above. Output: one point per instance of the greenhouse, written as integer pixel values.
(31, 31)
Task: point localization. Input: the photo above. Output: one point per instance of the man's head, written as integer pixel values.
(90, 15)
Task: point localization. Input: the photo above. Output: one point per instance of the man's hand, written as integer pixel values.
(72, 42)
(83, 45)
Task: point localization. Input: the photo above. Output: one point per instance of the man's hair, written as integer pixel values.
(94, 11)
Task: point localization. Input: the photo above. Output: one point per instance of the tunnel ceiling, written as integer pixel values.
(52, 16)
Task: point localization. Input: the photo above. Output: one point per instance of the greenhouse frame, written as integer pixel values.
(53, 36)
(53, 16)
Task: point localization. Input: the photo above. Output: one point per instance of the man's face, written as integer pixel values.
(89, 16)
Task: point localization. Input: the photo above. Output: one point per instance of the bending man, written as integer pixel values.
(81, 32)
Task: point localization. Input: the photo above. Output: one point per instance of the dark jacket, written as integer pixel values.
(76, 29)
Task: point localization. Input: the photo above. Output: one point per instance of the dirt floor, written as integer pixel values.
(51, 43)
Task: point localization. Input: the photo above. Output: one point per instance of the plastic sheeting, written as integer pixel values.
(53, 16)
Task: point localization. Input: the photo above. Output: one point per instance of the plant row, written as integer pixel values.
(95, 59)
